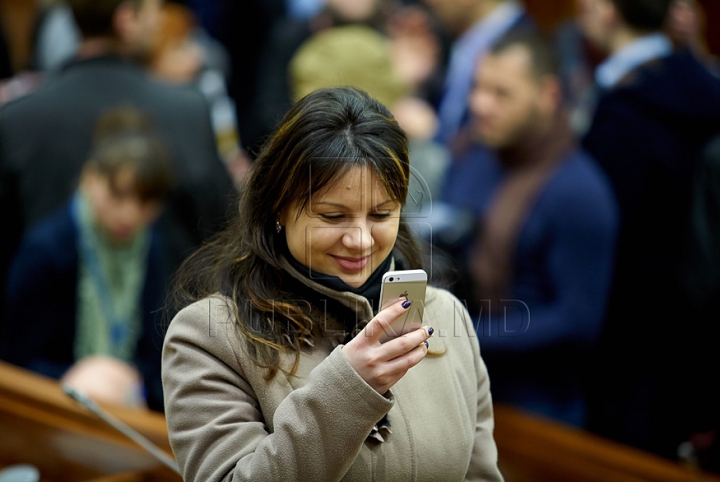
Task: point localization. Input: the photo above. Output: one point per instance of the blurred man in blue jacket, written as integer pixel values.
(541, 261)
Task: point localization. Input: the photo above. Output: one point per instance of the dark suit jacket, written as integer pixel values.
(647, 135)
(45, 138)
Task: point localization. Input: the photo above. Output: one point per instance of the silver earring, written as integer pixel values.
(278, 227)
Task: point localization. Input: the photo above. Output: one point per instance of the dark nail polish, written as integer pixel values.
(427, 345)
(431, 330)
(406, 304)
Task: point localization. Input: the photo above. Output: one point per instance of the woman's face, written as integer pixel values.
(347, 230)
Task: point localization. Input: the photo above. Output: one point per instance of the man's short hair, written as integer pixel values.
(543, 59)
(94, 18)
(125, 138)
(646, 15)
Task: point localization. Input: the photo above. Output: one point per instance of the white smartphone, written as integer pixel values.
(408, 284)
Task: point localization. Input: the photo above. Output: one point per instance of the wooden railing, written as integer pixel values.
(532, 449)
(40, 425)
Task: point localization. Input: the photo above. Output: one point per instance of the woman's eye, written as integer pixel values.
(338, 217)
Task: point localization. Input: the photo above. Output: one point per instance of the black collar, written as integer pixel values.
(370, 290)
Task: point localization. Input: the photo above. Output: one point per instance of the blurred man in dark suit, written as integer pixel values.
(657, 109)
(46, 136)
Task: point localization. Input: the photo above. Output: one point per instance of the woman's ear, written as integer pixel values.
(282, 218)
(287, 215)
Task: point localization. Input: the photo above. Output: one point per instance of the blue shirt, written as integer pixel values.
(630, 57)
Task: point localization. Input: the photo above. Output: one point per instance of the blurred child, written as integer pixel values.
(87, 280)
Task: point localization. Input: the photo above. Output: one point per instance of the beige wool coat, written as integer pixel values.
(226, 422)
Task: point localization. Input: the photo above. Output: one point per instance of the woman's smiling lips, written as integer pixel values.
(351, 264)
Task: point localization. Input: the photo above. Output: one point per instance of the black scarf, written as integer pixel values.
(370, 289)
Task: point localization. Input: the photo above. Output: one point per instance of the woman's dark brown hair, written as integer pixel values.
(323, 135)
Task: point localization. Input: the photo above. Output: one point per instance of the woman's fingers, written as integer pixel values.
(381, 365)
(405, 343)
(396, 368)
(389, 303)
(403, 363)
(377, 326)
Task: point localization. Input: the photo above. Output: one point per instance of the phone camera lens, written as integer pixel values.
(391, 278)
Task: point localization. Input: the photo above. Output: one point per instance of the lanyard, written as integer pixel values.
(119, 326)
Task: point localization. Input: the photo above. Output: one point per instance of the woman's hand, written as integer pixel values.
(381, 365)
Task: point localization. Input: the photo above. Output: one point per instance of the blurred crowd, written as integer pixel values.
(565, 184)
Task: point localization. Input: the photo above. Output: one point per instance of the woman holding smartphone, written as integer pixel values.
(275, 370)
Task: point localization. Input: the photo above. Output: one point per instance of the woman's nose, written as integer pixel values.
(358, 237)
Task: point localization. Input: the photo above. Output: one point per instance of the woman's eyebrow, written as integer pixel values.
(377, 207)
(330, 204)
(342, 206)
